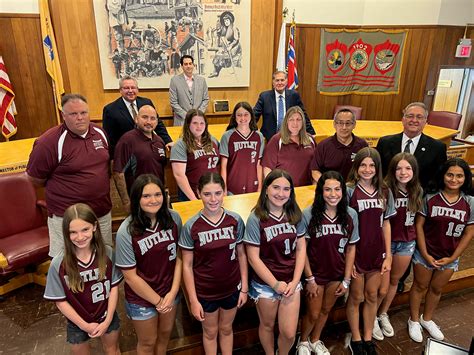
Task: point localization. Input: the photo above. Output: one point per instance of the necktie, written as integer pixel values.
(407, 146)
(280, 112)
(134, 110)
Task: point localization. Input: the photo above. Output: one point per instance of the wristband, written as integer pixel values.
(346, 283)
(310, 279)
(244, 291)
(275, 287)
(157, 303)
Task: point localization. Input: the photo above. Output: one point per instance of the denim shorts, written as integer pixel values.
(139, 312)
(258, 290)
(224, 303)
(418, 259)
(403, 248)
(76, 335)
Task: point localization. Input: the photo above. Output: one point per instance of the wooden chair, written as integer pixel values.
(356, 110)
(444, 119)
(24, 240)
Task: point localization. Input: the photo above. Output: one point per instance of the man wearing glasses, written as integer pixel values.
(429, 152)
(338, 151)
(72, 162)
(118, 117)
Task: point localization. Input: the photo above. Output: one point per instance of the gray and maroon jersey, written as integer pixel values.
(331, 154)
(215, 263)
(403, 223)
(445, 223)
(152, 254)
(276, 239)
(292, 157)
(91, 304)
(136, 154)
(326, 249)
(197, 163)
(243, 154)
(76, 169)
(371, 211)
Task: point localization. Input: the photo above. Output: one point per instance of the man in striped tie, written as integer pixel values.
(273, 104)
(429, 152)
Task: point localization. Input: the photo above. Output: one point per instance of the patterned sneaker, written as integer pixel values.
(385, 325)
(370, 348)
(432, 328)
(415, 332)
(357, 347)
(303, 348)
(377, 332)
(319, 348)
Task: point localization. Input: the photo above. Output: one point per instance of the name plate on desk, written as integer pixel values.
(221, 106)
(13, 168)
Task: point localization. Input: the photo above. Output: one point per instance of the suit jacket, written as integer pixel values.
(117, 120)
(182, 99)
(266, 106)
(430, 154)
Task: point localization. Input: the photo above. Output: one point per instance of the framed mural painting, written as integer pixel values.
(146, 39)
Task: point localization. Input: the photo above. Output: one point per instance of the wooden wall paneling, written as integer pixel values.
(79, 53)
(21, 48)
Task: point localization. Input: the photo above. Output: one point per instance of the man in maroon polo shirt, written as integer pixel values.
(338, 151)
(139, 151)
(72, 162)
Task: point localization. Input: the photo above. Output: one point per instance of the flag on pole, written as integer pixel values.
(291, 59)
(7, 106)
(50, 51)
(281, 57)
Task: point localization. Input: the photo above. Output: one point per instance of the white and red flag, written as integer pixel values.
(7, 106)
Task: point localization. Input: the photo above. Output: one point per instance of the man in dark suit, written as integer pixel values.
(118, 116)
(429, 153)
(273, 104)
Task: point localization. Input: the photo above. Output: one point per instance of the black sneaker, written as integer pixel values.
(370, 348)
(357, 347)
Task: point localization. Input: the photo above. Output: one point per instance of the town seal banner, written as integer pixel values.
(360, 61)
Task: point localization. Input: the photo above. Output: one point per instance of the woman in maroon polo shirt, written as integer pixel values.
(291, 149)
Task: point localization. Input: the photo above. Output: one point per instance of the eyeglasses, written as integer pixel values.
(344, 123)
(418, 117)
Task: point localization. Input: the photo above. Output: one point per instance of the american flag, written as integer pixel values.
(7, 106)
(291, 59)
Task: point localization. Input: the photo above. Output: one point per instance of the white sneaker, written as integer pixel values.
(414, 330)
(432, 328)
(303, 348)
(385, 325)
(377, 332)
(319, 348)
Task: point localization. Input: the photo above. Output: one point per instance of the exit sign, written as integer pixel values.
(463, 50)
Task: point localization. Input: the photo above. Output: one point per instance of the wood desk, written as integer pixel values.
(242, 204)
(371, 131)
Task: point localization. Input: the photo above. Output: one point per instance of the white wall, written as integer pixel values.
(20, 6)
(381, 12)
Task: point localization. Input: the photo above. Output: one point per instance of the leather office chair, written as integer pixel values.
(355, 109)
(24, 240)
(444, 119)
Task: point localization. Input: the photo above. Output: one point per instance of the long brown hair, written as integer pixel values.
(377, 180)
(414, 190)
(233, 119)
(85, 213)
(304, 137)
(189, 139)
(291, 208)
